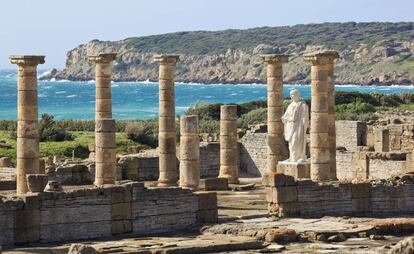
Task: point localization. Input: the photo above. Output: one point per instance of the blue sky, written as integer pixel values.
(52, 27)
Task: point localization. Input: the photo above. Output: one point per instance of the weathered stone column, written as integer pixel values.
(189, 152)
(105, 151)
(103, 98)
(323, 145)
(276, 150)
(166, 136)
(27, 119)
(228, 143)
(105, 127)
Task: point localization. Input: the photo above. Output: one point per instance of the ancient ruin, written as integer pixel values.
(334, 168)
(105, 143)
(228, 143)
(27, 116)
(276, 147)
(323, 144)
(189, 152)
(168, 175)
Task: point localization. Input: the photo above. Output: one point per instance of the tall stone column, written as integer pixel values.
(27, 119)
(189, 152)
(323, 139)
(228, 143)
(103, 97)
(105, 127)
(166, 136)
(105, 151)
(276, 150)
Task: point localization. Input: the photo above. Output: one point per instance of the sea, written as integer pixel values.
(139, 100)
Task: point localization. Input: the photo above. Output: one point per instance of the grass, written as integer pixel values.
(64, 149)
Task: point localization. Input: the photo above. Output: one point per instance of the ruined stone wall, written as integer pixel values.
(401, 137)
(209, 159)
(370, 165)
(351, 134)
(253, 153)
(287, 197)
(97, 212)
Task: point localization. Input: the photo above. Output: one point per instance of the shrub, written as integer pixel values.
(209, 126)
(205, 111)
(144, 132)
(356, 107)
(48, 131)
(253, 117)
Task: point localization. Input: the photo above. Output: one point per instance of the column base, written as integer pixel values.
(295, 169)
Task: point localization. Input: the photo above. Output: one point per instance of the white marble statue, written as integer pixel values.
(296, 121)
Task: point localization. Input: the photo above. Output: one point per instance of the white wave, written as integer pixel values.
(71, 96)
(60, 92)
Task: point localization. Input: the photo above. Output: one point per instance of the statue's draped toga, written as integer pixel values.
(296, 121)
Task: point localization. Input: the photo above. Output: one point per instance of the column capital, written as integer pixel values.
(321, 58)
(166, 59)
(275, 58)
(29, 60)
(103, 57)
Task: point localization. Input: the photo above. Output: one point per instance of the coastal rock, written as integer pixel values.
(234, 57)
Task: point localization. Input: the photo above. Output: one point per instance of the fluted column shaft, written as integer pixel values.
(323, 140)
(228, 143)
(105, 127)
(275, 140)
(27, 119)
(189, 152)
(166, 136)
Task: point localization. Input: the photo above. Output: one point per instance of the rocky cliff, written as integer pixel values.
(371, 53)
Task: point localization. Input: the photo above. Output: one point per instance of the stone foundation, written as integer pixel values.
(288, 197)
(102, 211)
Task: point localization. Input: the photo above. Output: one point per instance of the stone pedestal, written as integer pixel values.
(189, 152)
(322, 132)
(105, 152)
(295, 169)
(103, 97)
(228, 143)
(166, 138)
(276, 149)
(27, 119)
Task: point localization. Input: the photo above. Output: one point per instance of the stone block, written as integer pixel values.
(121, 226)
(5, 162)
(361, 190)
(297, 170)
(361, 206)
(207, 200)
(219, 183)
(284, 194)
(207, 216)
(274, 179)
(121, 211)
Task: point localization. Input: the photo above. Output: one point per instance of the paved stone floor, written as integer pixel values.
(245, 228)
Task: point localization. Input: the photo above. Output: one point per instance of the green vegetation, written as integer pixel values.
(48, 131)
(64, 149)
(333, 35)
(349, 106)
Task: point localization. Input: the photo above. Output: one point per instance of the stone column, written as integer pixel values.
(27, 119)
(105, 127)
(105, 151)
(103, 98)
(276, 150)
(228, 143)
(323, 145)
(189, 152)
(166, 136)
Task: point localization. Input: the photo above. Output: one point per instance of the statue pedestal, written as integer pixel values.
(295, 169)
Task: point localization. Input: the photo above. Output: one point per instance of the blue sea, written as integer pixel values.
(139, 100)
